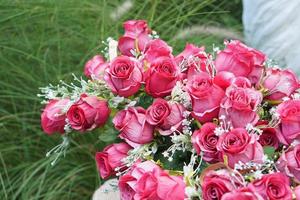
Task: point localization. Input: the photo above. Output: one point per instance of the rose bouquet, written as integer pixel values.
(224, 125)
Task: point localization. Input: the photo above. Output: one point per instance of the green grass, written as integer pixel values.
(44, 41)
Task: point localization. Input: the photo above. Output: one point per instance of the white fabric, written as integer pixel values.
(273, 26)
(108, 191)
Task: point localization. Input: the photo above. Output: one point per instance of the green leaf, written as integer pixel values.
(145, 100)
(269, 151)
(108, 133)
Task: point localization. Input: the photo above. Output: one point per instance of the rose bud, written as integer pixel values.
(146, 180)
(239, 146)
(135, 38)
(53, 118)
(165, 115)
(124, 76)
(279, 83)
(289, 115)
(242, 194)
(273, 186)
(289, 162)
(241, 61)
(155, 49)
(134, 128)
(205, 141)
(161, 77)
(87, 113)
(95, 67)
(240, 106)
(111, 158)
(217, 183)
(205, 96)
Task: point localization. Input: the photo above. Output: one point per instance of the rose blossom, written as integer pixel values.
(155, 49)
(88, 113)
(241, 82)
(242, 194)
(240, 106)
(289, 162)
(205, 140)
(223, 79)
(194, 59)
(161, 77)
(124, 76)
(95, 67)
(273, 186)
(165, 115)
(148, 181)
(111, 158)
(279, 83)
(135, 38)
(217, 183)
(241, 61)
(238, 145)
(134, 128)
(53, 118)
(205, 96)
(289, 115)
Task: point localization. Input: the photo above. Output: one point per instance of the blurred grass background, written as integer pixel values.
(44, 41)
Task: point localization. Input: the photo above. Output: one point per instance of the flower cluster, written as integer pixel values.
(193, 125)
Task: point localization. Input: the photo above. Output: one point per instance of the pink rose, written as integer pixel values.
(273, 187)
(161, 77)
(88, 113)
(268, 136)
(297, 192)
(155, 49)
(205, 96)
(53, 118)
(240, 106)
(134, 128)
(111, 158)
(135, 38)
(280, 83)
(128, 181)
(95, 67)
(124, 76)
(289, 127)
(223, 79)
(205, 141)
(242, 194)
(148, 181)
(165, 115)
(241, 61)
(217, 183)
(241, 82)
(194, 60)
(158, 111)
(239, 146)
(289, 162)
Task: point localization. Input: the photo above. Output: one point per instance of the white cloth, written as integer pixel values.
(108, 191)
(273, 26)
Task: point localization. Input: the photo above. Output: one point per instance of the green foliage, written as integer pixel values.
(269, 151)
(44, 41)
(108, 133)
(145, 101)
